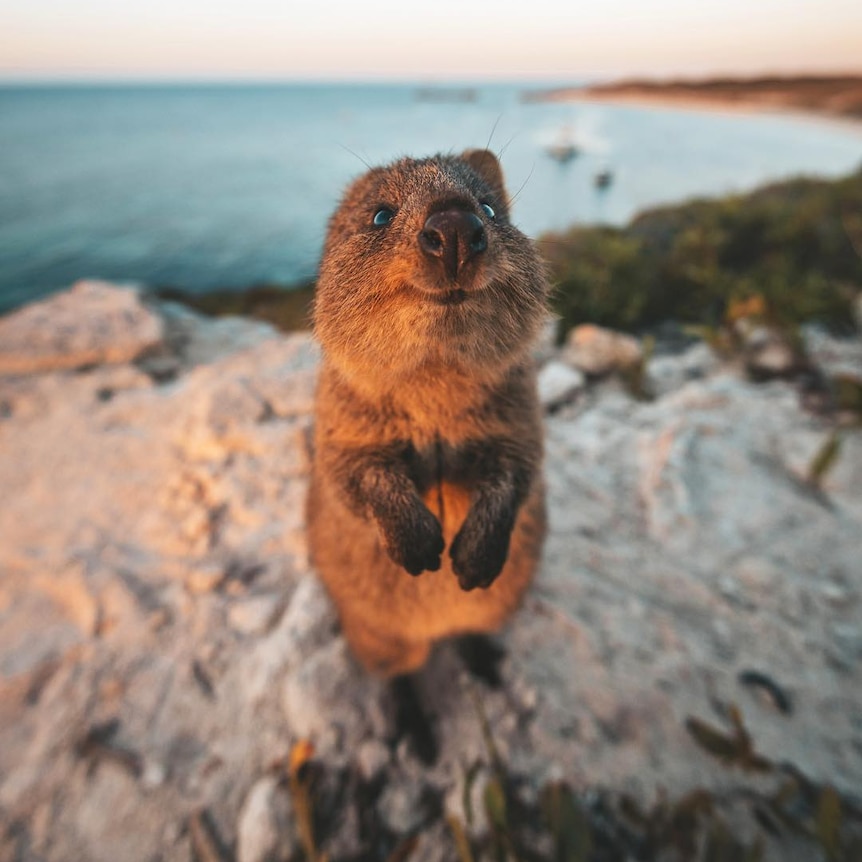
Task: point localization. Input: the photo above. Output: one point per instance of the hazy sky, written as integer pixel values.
(420, 39)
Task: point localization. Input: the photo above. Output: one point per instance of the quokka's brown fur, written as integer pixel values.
(426, 507)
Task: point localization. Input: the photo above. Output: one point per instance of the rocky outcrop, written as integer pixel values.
(95, 323)
(598, 351)
(558, 384)
(164, 642)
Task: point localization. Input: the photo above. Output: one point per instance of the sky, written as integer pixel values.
(421, 40)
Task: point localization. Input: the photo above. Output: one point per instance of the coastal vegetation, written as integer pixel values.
(797, 245)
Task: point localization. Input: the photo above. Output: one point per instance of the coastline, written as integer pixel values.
(788, 98)
(190, 228)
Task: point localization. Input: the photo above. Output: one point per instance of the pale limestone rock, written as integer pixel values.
(328, 700)
(67, 587)
(372, 757)
(435, 844)
(684, 545)
(153, 774)
(597, 351)
(92, 324)
(254, 615)
(402, 806)
(266, 829)
(197, 340)
(667, 373)
(346, 842)
(309, 621)
(768, 352)
(558, 384)
(204, 578)
(693, 498)
(308, 624)
(834, 356)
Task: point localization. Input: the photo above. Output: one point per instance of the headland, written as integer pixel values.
(838, 96)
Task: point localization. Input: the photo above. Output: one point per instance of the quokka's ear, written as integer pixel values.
(485, 163)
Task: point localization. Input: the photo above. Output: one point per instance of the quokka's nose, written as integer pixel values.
(453, 236)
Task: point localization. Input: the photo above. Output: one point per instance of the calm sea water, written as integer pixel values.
(205, 187)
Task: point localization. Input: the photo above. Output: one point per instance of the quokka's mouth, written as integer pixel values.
(455, 296)
(440, 295)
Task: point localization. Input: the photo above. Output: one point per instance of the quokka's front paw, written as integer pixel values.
(479, 553)
(415, 541)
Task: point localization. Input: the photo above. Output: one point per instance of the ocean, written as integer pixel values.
(206, 187)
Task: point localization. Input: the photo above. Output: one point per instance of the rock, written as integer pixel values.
(597, 351)
(757, 577)
(266, 830)
(846, 647)
(558, 384)
(435, 844)
(837, 594)
(327, 700)
(307, 625)
(833, 356)
(94, 323)
(151, 534)
(28, 650)
(195, 339)
(768, 353)
(372, 757)
(402, 806)
(346, 839)
(69, 588)
(153, 774)
(670, 372)
(204, 578)
(161, 367)
(254, 615)
(309, 621)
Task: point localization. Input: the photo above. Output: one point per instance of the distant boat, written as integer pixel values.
(603, 178)
(564, 149)
(446, 94)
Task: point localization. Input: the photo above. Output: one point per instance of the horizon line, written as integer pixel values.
(412, 79)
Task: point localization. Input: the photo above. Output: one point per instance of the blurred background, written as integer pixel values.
(202, 146)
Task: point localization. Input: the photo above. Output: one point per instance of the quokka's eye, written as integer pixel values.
(489, 211)
(383, 216)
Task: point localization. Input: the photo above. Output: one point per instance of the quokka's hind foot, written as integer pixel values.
(482, 656)
(412, 721)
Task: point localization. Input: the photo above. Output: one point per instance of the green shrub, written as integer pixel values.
(798, 244)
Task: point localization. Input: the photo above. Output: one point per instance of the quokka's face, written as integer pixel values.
(421, 256)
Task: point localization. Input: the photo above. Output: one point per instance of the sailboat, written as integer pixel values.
(564, 149)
